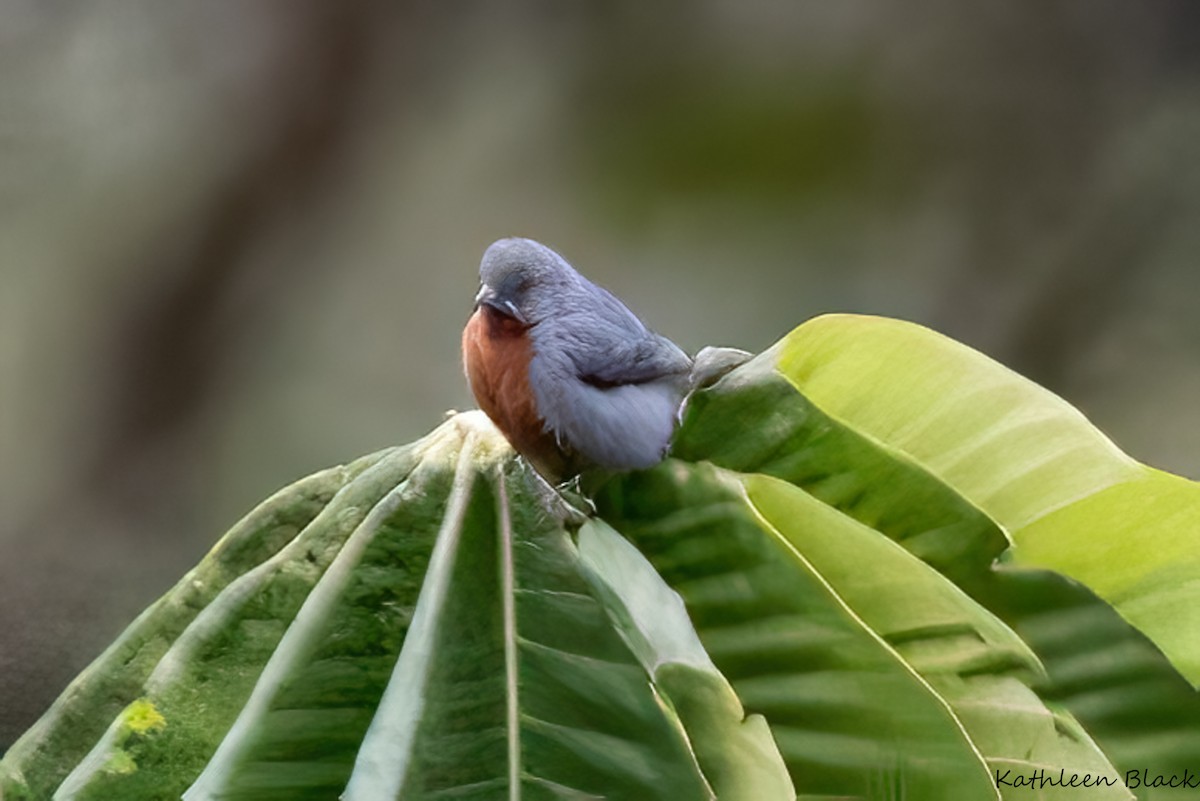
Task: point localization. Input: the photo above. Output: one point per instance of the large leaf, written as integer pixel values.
(975, 662)
(701, 526)
(755, 421)
(846, 710)
(1113, 680)
(1068, 497)
(200, 682)
(39, 761)
(736, 752)
(421, 624)
(512, 683)
(1116, 682)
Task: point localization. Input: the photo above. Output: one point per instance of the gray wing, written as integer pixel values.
(651, 358)
(621, 350)
(605, 384)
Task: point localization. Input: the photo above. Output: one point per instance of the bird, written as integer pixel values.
(571, 377)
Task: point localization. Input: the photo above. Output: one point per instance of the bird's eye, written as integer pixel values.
(510, 310)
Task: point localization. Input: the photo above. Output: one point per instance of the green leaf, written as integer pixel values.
(40, 760)
(513, 682)
(849, 713)
(1068, 497)
(1114, 681)
(202, 680)
(432, 630)
(755, 421)
(970, 658)
(297, 732)
(508, 675)
(735, 751)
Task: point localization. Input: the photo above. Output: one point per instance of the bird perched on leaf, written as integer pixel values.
(569, 374)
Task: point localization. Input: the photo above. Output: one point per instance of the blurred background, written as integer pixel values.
(240, 239)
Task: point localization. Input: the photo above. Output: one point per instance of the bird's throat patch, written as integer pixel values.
(497, 350)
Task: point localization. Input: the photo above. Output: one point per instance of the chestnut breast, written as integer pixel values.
(496, 354)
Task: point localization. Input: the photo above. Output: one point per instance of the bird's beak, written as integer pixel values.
(484, 294)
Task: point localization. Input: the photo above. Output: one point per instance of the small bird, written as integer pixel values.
(571, 376)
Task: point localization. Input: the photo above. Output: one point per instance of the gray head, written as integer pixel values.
(522, 278)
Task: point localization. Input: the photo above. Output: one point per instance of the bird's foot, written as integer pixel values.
(565, 500)
(571, 491)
